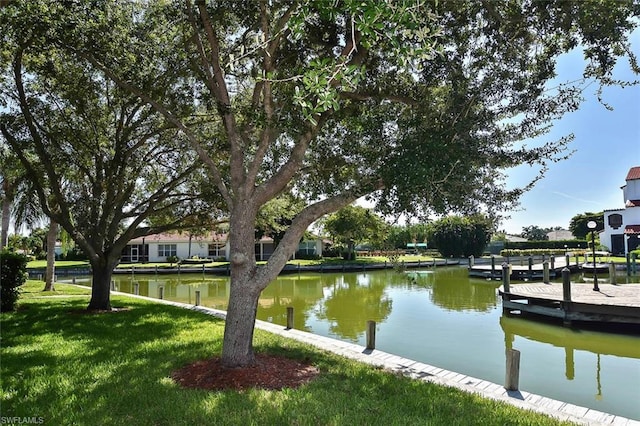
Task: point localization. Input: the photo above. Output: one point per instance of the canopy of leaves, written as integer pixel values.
(101, 162)
(535, 233)
(457, 236)
(352, 225)
(578, 224)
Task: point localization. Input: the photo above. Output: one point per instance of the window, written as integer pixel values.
(307, 247)
(216, 250)
(615, 220)
(167, 250)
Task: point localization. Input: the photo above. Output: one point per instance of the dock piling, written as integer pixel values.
(513, 370)
(545, 272)
(289, 317)
(505, 277)
(493, 266)
(472, 261)
(371, 335)
(136, 289)
(197, 297)
(612, 273)
(160, 292)
(566, 284)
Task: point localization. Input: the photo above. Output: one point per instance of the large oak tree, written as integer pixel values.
(420, 104)
(102, 163)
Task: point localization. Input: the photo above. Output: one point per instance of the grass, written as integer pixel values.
(114, 369)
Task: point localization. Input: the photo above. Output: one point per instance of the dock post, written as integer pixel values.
(612, 273)
(113, 285)
(493, 266)
(371, 335)
(505, 277)
(197, 297)
(553, 262)
(566, 285)
(566, 260)
(471, 261)
(73, 280)
(136, 289)
(513, 370)
(289, 317)
(545, 272)
(633, 263)
(160, 292)
(530, 260)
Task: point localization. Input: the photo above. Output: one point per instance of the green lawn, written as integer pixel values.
(114, 369)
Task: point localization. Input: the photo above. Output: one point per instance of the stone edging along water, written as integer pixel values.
(425, 372)
(224, 270)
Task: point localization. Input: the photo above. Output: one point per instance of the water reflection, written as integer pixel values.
(571, 340)
(344, 301)
(352, 298)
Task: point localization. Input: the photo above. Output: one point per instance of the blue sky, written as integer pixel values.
(606, 145)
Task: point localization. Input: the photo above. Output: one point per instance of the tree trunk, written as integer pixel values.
(101, 285)
(6, 207)
(237, 346)
(51, 256)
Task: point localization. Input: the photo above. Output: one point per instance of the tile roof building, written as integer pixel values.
(621, 232)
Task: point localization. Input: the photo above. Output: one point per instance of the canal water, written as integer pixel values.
(442, 318)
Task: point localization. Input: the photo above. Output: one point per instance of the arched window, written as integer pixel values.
(615, 220)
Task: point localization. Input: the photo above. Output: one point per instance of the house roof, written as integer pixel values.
(560, 234)
(632, 203)
(179, 238)
(634, 173)
(164, 238)
(632, 229)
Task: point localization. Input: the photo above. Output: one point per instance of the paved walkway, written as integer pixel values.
(429, 373)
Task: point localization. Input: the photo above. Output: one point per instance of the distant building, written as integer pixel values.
(622, 226)
(559, 235)
(158, 247)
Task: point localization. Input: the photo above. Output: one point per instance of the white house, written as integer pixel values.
(158, 247)
(622, 226)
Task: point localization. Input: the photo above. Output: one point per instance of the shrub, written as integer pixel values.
(173, 259)
(13, 268)
(307, 256)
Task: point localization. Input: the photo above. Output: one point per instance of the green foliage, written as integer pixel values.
(578, 224)
(13, 268)
(539, 252)
(461, 236)
(556, 245)
(275, 217)
(353, 225)
(400, 236)
(534, 233)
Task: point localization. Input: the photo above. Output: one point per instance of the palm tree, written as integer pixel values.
(27, 212)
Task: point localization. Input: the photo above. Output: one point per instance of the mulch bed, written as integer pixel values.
(270, 372)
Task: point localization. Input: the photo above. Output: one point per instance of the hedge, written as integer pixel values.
(555, 245)
(13, 269)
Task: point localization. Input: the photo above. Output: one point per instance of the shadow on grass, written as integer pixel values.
(114, 369)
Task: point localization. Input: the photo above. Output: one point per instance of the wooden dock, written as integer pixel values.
(525, 270)
(612, 304)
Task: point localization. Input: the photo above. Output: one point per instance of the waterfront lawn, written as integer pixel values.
(37, 264)
(67, 367)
